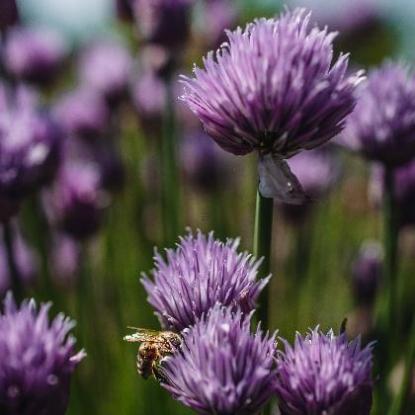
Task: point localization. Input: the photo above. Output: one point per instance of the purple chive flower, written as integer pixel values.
(82, 112)
(124, 10)
(382, 127)
(111, 167)
(274, 88)
(199, 273)
(34, 54)
(30, 146)
(9, 14)
(76, 201)
(347, 16)
(222, 368)
(106, 67)
(37, 359)
(26, 263)
(367, 272)
(217, 16)
(324, 373)
(64, 259)
(163, 22)
(204, 164)
(317, 171)
(404, 188)
(149, 97)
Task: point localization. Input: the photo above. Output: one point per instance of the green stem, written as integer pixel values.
(400, 402)
(170, 176)
(16, 282)
(391, 253)
(262, 249)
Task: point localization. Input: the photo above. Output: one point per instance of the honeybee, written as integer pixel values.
(155, 345)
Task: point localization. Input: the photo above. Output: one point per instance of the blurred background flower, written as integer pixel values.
(34, 54)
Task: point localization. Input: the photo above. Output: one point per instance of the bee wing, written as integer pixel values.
(146, 331)
(144, 335)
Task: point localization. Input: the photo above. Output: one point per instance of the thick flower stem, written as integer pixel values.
(16, 283)
(262, 249)
(169, 175)
(401, 399)
(391, 233)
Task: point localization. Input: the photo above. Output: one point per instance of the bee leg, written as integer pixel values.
(158, 374)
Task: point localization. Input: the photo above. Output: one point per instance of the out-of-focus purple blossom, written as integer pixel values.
(156, 59)
(324, 373)
(111, 166)
(404, 188)
(64, 259)
(9, 14)
(199, 273)
(367, 272)
(37, 359)
(222, 368)
(83, 112)
(346, 16)
(26, 263)
(30, 145)
(163, 22)
(34, 54)
(124, 10)
(317, 171)
(217, 16)
(274, 88)
(106, 67)
(382, 127)
(76, 201)
(149, 96)
(204, 164)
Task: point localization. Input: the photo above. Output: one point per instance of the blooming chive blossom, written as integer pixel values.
(149, 97)
(124, 10)
(273, 88)
(347, 16)
(106, 68)
(64, 259)
(76, 201)
(317, 171)
(404, 191)
(199, 273)
(82, 112)
(222, 368)
(204, 164)
(163, 22)
(367, 272)
(324, 374)
(37, 359)
(382, 127)
(34, 54)
(9, 14)
(217, 16)
(30, 146)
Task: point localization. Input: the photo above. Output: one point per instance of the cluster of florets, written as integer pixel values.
(207, 291)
